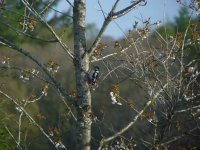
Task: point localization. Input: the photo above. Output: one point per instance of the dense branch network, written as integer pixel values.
(169, 84)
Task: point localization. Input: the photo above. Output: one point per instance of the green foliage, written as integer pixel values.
(178, 25)
(167, 30)
(177, 30)
(6, 142)
(181, 22)
(18, 25)
(9, 18)
(193, 41)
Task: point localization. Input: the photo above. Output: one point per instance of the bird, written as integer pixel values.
(94, 75)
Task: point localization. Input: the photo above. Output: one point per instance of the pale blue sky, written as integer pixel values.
(162, 10)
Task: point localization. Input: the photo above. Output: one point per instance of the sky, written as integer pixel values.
(158, 10)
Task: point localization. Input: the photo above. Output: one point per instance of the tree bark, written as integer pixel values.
(81, 62)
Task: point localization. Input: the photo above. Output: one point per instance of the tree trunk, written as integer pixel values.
(81, 70)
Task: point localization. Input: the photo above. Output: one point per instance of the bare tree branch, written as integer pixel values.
(127, 9)
(173, 139)
(69, 3)
(129, 125)
(28, 35)
(18, 146)
(67, 50)
(112, 54)
(47, 7)
(29, 117)
(54, 81)
(103, 28)
(112, 15)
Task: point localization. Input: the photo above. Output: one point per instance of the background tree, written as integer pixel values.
(147, 95)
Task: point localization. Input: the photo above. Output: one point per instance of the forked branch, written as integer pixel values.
(58, 86)
(37, 15)
(29, 117)
(112, 15)
(129, 125)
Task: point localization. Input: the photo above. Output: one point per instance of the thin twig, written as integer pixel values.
(148, 103)
(29, 117)
(64, 95)
(63, 45)
(19, 147)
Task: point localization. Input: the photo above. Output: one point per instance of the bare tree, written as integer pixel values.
(169, 83)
